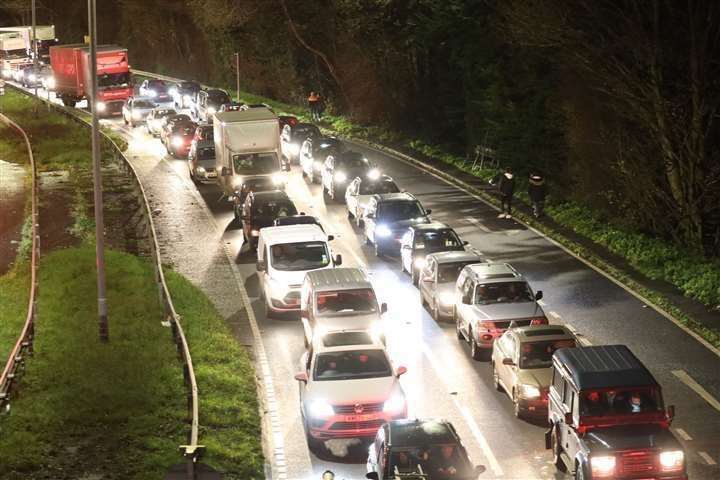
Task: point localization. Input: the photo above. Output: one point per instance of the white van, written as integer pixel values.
(339, 299)
(285, 254)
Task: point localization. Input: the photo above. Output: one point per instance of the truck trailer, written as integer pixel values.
(71, 70)
(45, 39)
(14, 54)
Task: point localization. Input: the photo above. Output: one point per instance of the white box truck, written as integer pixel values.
(14, 52)
(247, 149)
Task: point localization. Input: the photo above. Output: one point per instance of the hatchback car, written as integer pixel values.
(313, 153)
(156, 119)
(179, 138)
(489, 297)
(438, 278)
(155, 89)
(419, 448)
(421, 240)
(136, 110)
(340, 169)
(348, 391)
(361, 190)
(260, 210)
(292, 137)
(201, 161)
(183, 93)
(247, 186)
(387, 218)
(522, 365)
(169, 122)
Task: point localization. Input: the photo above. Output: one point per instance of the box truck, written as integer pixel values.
(247, 148)
(45, 39)
(71, 69)
(14, 53)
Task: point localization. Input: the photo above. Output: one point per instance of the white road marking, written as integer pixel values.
(708, 459)
(478, 224)
(690, 382)
(683, 434)
(617, 282)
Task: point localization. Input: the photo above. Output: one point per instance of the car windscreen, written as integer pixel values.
(357, 301)
(620, 401)
(206, 133)
(189, 86)
(106, 80)
(297, 220)
(303, 132)
(255, 163)
(299, 256)
(434, 457)
(218, 97)
(143, 104)
(371, 188)
(351, 364)
(352, 162)
(449, 272)
(273, 208)
(403, 210)
(539, 354)
(502, 292)
(184, 129)
(437, 241)
(205, 153)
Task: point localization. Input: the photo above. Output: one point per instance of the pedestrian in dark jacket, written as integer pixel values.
(536, 192)
(506, 186)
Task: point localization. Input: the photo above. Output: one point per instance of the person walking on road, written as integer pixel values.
(313, 100)
(506, 186)
(537, 191)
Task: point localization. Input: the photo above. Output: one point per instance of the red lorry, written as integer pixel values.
(71, 69)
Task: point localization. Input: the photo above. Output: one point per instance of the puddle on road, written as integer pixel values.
(13, 194)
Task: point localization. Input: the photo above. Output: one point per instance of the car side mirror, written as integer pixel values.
(331, 238)
(260, 266)
(383, 308)
(400, 371)
(479, 469)
(538, 295)
(670, 412)
(428, 211)
(372, 476)
(338, 260)
(569, 419)
(508, 361)
(301, 377)
(225, 171)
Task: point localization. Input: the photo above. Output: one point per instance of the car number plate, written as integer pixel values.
(360, 418)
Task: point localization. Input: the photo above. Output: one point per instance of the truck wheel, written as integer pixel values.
(556, 451)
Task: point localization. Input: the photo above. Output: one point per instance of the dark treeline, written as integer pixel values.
(613, 100)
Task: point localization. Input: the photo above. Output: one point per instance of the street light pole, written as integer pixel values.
(35, 53)
(237, 74)
(97, 179)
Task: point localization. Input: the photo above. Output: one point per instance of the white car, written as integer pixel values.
(348, 388)
(360, 191)
(156, 118)
(136, 109)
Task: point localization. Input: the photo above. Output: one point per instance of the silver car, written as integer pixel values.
(361, 190)
(489, 298)
(437, 281)
(136, 109)
(201, 161)
(156, 118)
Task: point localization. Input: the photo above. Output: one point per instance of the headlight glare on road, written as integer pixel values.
(373, 174)
(383, 231)
(136, 115)
(177, 141)
(340, 177)
(394, 405)
(529, 391)
(320, 409)
(211, 110)
(602, 467)
(673, 460)
(100, 106)
(50, 83)
(419, 263)
(447, 298)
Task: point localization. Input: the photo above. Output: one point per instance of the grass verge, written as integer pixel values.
(14, 292)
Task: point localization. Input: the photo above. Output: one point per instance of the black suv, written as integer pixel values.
(419, 449)
(300, 219)
(313, 153)
(340, 169)
(387, 217)
(261, 209)
(607, 417)
(292, 137)
(422, 240)
(183, 93)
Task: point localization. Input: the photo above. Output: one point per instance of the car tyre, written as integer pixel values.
(475, 350)
(556, 451)
(579, 473)
(379, 252)
(415, 275)
(517, 411)
(350, 215)
(496, 379)
(458, 332)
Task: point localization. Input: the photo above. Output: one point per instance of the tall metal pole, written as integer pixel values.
(237, 74)
(97, 179)
(35, 54)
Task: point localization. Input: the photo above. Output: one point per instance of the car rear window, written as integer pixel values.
(383, 186)
(351, 364)
(402, 210)
(502, 292)
(355, 301)
(343, 339)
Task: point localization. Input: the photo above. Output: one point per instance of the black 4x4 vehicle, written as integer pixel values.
(607, 418)
(260, 210)
(419, 450)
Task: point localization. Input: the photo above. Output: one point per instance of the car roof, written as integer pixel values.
(431, 226)
(456, 256)
(536, 333)
(394, 197)
(417, 432)
(606, 366)
(341, 278)
(382, 178)
(308, 232)
(253, 114)
(493, 272)
(268, 195)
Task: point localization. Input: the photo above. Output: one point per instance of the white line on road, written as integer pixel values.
(690, 382)
(478, 224)
(683, 434)
(580, 337)
(708, 459)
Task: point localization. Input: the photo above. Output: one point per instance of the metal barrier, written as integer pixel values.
(192, 450)
(24, 343)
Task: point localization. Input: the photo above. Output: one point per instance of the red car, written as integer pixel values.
(179, 138)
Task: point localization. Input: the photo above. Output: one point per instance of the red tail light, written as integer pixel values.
(539, 321)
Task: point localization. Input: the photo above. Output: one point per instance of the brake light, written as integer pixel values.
(602, 466)
(672, 461)
(539, 321)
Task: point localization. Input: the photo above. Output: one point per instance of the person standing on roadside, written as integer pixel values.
(313, 104)
(506, 186)
(537, 191)
(320, 105)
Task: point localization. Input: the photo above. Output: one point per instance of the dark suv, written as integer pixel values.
(261, 209)
(387, 217)
(421, 240)
(340, 169)
(419, 449)
(607, 417)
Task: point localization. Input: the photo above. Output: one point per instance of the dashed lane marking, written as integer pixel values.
(683, 376)
(580, 337)
(683, 434)
(478, 224)
(708, 459)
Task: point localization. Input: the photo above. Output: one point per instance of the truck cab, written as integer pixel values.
(607, 417)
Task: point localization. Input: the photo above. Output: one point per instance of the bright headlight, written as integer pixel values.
(373, 174)
(447, 298)
(317, 165)
(186, 98)
(529, 391)
(177, 141)
(602, 466)
(100, 106)
(173, 91)
(211, 110)
(395, 404)
(340, 177)
(419, 263)
(320, 409)
(278, 179)
(136, 115)
(200, 170)
(32, 77)
(383, 231)
(152, 93)
(255, 233)
(672, 460)
(50, 83)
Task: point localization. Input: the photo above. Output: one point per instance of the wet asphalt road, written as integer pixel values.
(442, 380)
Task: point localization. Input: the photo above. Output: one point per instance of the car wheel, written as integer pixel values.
(436, 312)
(496, 379)
(415, 275)
(350, 215)
(517, 411)
(359, 221)
(379, 251)
(475, 350)
(367, 239)
(458, 332)
(556, 451)
(236, 214)
(125, 120)
(267, 310)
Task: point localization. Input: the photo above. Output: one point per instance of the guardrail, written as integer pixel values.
(24, 343)
(192, 450)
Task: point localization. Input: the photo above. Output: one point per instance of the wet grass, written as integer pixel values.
(14, 291)
(229, 415)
